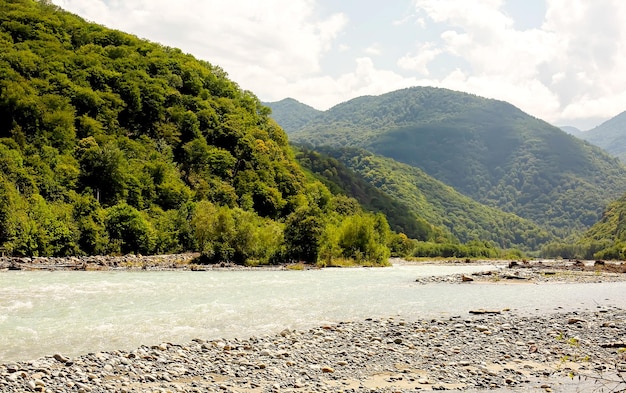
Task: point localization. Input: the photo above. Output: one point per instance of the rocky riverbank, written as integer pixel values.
(537, 272)
(100, 262)
(473, 352)
(186, 261)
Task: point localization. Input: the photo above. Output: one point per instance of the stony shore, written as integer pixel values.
(482, 350)
(99, 262)
(186, 261)
(555, 271)
(494, 350)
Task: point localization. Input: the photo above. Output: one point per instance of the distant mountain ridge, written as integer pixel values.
(292, 114)
(577, 132)
(484, 148)
(610, 135)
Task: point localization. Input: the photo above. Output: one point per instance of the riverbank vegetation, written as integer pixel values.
(112, 145)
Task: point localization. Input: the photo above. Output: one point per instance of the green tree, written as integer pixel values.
(128, 230)
(104, 169)
(303, 232)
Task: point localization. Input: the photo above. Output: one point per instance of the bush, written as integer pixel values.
(235, 235)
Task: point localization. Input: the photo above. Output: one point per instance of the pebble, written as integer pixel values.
(363, 356)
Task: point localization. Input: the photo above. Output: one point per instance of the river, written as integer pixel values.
(43, 313)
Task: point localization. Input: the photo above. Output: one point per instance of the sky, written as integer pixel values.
(563, 61)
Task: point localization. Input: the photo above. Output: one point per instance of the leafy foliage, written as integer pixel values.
(112, 144)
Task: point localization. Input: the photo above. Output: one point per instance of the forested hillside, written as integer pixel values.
(572, 130)
(436, 202)
(112, 144)
(606, 239)
(341, 180)
(486, 149)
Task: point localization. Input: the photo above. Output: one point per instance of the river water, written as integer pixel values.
(43, 313)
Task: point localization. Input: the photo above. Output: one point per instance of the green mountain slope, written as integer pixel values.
(486, 149)
(292, 114)
(610, 135)
(341, 180)
(88, 113)
(612, 225)
(440, 204)
(113, 144)
(607, 238)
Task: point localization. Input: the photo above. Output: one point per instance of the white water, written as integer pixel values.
(42, 313)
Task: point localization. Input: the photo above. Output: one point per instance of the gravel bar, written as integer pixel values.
(495, 350)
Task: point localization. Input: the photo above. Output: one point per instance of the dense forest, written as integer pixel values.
(486, 149)
(604, 240)
(110, 144)
(425, 197)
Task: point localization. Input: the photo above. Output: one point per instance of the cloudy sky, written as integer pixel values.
(560, 60)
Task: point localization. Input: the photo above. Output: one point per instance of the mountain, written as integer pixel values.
(610, 135)
(486, 149)
(421, 195)
(291, 114)
(110, 144)
(572, 131)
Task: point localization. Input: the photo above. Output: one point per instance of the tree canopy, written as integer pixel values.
(112, 144)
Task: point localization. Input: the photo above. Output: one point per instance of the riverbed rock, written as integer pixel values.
(453, 352)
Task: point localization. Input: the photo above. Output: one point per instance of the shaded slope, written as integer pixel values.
(612, 225)
(341, 180)
(440, 204)
(607, 238)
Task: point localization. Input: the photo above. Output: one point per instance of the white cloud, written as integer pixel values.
(243, 37)
(323, 92)
(373, 50)
(343, 48)
(592, 56)
(419, 62)
(571, 67)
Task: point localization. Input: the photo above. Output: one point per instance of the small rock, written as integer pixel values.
(572, 321)
(60, 358)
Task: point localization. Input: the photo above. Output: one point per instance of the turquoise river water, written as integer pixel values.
(42, 313)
